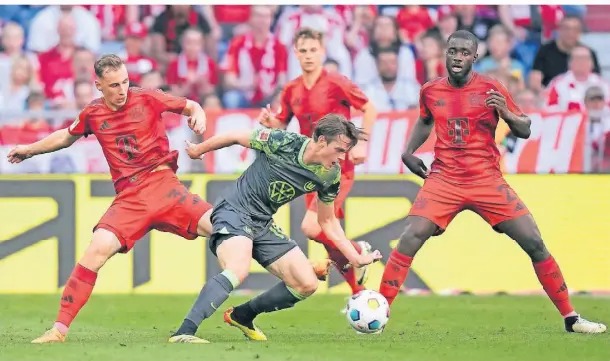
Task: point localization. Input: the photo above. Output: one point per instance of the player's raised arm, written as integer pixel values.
(332, 228)
(55, 141)
(421, 131)
(518, 122)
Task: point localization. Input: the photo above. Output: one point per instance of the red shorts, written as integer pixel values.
(160, 202)
(347, 181)
(440, 201)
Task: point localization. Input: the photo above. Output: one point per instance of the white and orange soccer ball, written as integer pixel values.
(368, 312)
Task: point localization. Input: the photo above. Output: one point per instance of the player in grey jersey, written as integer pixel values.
(287, 166)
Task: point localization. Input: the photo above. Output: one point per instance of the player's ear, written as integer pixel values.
(476, 56)
(98, 86)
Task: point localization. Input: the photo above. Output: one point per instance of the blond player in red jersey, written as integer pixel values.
(127, 124)
(309, 97)
(464, 109)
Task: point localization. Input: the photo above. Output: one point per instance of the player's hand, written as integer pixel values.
(265, 116)
(19, 154)
(197, 122)
(358, 153)
(415, 165)
(192, 150)
(497, 101)
(367, 259)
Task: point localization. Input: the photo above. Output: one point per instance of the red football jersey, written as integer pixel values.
(133, 138)
(331, 93)
(465, 149)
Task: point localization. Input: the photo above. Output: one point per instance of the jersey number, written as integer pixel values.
(128, 146)
(458, 128)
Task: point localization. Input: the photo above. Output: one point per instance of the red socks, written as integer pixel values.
(552, 282)
(394, 275)
(76, 293)
(340, 261)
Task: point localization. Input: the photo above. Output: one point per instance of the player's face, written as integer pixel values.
(330, 153)
(310, 53)
(460, 55)
(114, 85)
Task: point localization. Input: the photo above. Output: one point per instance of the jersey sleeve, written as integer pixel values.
(285, 113)
(352, 94)
(329, 194)
(164, 102)
(272, 141)
(80, 126)
(424, 111)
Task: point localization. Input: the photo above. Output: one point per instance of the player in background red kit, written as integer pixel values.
(127, 124)
(310, 97)
(464, 109)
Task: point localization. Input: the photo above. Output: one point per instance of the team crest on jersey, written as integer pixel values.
(309, 186)
(263, 135)
(477, 100)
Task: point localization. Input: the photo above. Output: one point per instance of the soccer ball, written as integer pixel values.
(368, 312)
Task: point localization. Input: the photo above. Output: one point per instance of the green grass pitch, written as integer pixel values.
(136, 327)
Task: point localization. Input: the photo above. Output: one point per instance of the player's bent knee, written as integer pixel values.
(104, 244)
(310, 226)
(416, 233)
(235, 254)
(307, 287)
(536, 249)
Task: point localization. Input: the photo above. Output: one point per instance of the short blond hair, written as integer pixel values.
(107, 63)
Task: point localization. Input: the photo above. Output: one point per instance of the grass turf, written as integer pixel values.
(136, 327)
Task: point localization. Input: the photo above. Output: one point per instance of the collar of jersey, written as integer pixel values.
(316, 168)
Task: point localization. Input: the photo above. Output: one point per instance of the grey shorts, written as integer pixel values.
(269, 241)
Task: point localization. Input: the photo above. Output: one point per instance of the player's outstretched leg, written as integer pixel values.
(298, 282)
(234, 255)
(416, 233)
(355, 277)
(526, 233)
(104, 245)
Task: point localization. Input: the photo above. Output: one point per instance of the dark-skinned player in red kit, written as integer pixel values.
(464, 109)
(309, 97)
(127, 124)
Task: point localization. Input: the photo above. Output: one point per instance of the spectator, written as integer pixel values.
(527, 100)
(387, 91)
(169, 27)
(192, 74)
(112, 18)
(530, 23)
(360, 27)
(479, 26)
(499, 43)
(135, 62)
(12, 45)
(385, 34)
(447, 22)
(44, 35)
(223, 18)
(567, 91)
(211, 103)
(255, 64)
(552, 58)
(596, 105)
(15, 91)
(83, 94)
(56, 64)
(331, 66)
(35, 107)
(328, 22)
(413, 21)
(431, 62)
(153, 80)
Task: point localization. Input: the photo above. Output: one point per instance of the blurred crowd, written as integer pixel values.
(239, 56)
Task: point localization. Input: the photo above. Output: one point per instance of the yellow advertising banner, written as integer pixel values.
(46, 224)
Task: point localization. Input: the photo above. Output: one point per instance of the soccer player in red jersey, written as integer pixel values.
(309, 97)
(464, 109)
(127, 124)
